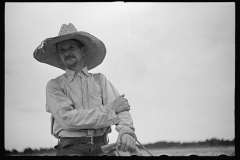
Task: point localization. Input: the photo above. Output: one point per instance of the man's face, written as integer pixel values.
(70, 52)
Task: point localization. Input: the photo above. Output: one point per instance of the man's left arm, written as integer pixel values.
(124, 126)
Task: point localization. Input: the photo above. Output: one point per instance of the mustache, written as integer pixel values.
(68, 57)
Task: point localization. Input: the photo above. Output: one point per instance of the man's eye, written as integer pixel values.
(71, 47)
(61, 51)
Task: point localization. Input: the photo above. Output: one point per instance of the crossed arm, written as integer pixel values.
(115, 110)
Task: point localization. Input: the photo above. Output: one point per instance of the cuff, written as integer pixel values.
(113, 115)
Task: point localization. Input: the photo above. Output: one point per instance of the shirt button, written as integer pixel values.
(84, 100)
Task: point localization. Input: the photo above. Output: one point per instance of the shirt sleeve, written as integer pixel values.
(109, 94)
(69, 118)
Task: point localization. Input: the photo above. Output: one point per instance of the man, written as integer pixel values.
(83, 105)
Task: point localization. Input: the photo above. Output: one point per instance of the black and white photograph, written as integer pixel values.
(119, 79)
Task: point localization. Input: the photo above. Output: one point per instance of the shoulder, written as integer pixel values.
(98, 77)
(58, 81)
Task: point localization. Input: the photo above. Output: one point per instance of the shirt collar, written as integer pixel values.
(70, 73)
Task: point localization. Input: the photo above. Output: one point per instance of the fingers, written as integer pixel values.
(121, 104)
(128, 106)
(118, 143)
(128, 143)
(125, 104)
(122, 108)
(125, 107)
(133, 145)
(125, 143)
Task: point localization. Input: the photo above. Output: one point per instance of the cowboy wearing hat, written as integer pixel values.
(83, 105)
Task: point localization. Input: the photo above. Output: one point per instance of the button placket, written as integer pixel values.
(84, 90)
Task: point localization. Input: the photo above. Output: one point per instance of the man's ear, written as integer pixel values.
(84, 50)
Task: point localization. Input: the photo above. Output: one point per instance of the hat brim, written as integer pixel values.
(47, 52)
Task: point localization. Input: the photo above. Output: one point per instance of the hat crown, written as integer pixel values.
(67, 29)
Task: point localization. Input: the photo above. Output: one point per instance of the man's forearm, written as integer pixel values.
(125, 124)
(86, 119)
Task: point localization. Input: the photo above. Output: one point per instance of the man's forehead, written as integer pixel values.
(67, 42)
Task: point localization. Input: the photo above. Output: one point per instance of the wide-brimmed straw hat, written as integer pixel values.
(47, 52)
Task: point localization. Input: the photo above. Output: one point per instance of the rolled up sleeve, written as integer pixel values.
(64, 112)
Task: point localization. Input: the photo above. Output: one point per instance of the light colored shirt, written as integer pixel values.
(80, 104)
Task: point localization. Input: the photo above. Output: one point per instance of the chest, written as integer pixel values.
(85, 92)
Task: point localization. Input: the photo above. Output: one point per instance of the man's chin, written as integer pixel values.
(70, 63)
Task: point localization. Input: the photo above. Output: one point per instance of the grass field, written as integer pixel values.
(207, 151)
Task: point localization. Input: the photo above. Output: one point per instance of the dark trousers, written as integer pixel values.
(83, 150)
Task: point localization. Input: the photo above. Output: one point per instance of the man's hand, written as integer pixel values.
(120, 104)
(127, 143)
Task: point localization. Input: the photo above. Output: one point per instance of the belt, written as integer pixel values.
(64, 141)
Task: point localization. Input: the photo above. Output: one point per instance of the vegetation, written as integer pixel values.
(208, 143)
(29, 152)
(162, 144)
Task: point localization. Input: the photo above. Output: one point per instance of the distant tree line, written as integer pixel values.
(214, 142)
(30, 151)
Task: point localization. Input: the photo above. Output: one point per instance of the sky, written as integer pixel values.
(175, 63)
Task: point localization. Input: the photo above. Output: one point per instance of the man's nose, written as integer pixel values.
(67, 52)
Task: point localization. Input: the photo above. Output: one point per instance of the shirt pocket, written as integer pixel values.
(95, 95)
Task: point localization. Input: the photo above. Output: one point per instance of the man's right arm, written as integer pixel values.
(69, 118)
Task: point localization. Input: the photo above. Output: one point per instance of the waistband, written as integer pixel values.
(64, 141)
(85, 132)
